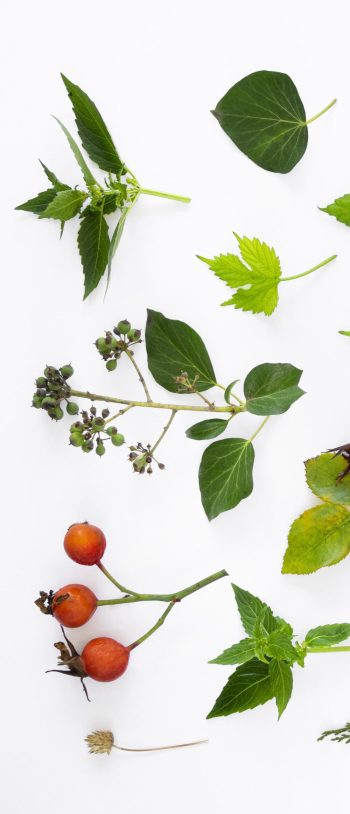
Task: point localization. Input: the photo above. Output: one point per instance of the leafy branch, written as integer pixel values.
(120, 192)
(179, 362)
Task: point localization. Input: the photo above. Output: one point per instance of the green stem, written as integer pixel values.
(314, 268)
(118, 585)
(85, 394)
(134, 596)
(321, 112)
(158, 748)
(258, 429)
(321, 649)
(153, 629)
(164, 431)
(164, 195)
(138, 371)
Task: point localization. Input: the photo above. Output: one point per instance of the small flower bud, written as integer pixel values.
(161, 466)
(50, 372)
(123, 326)
(66, 371)
(72, 408)
(93, 410)
(41, 382)
(105, 412)
(117, 439)
(111, 364)
(41, 392)
(98, 424)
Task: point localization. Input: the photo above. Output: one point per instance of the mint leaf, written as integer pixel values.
(261, 271)
(58, 186)
(319, 537)
(322, 473)
(339, 209)
(210, 428)
(38, 204)
(270, 389)
(281, 678)
(93, 244)
(173, 348)
(248, 687)
(251, 610)
(65, 205)
(327, 635)
(87, 174)
(225, 475)
(237, 654)
(265, 117)
(279, 646)
(95, 136)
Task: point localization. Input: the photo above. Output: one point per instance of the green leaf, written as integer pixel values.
(65, 205)
(93, 243)
(88, 176)
(228, 391)
(279, 646)
(251, 610)
(265, 117)
(339, 209)
(225, 475)
(207, 429)
(237, 654)
(344, 333)
(281, 678)
(92, 130)
(319, 537)
(327, 635)
(321, 476)
(284, 626)
(248, 687)
(115, 240)
(173, 348)
(270, 389)
(38, 204)
(260, 271)
(58, 186)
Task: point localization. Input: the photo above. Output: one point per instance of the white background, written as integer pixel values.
(155, 70)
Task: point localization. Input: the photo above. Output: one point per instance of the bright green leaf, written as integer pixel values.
(210, 428)
(87, 174)
(237, 654)
(65, 205)
(319, 537)
(344, 333)
(321, 475)
(327, 635)
(251, 610)
(39, 203)
(281, 678)
(225, 475)
(279, 646)
(58, 186)
(270, 389)
(173, 348)
(248, 687)
(115, 240)
(95, 136)
(93, 244)
(339, 209)
(228, 391)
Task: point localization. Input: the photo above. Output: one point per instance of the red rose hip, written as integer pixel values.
(73, 605)
(84, 543)
(105, 659)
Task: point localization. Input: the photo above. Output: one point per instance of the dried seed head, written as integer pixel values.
(100, 742)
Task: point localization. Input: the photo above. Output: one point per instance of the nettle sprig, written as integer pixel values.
(179, 361)
(267, 656)
(119, 193)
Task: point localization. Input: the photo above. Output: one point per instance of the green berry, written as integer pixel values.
(117, 439)
(98, 424)
(41, 382)
(134, 334)
(66, 371)
(111, 364)
(76, 439)
(48, 403)
(56, 413)
(123, 326)
(37, 401)
(100, 449)
(72, 408)
(87, 446)
(50, 372)
(111, 430)
(101, 344)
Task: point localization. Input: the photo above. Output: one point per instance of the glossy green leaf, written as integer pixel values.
(281, 678)
(319, 537)
(39, 203)
(173, 348)
(321, 475)
(87, 174)
(327, 635)
(339, 209)
(248, 687)
(270, 389)
(210, 428)
(65, 205)
(93, 244)
(225, 475)
(228, 391)
(95, 136)
(251, 610)
(265, 117)
(237, 654)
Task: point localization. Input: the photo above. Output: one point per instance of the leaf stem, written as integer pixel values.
(159, 748)
(164, 195)
(138, 371)
(85, 394)
(321, 112)
(164, 431)
(309, 271)
(344, 649)
(259, 428)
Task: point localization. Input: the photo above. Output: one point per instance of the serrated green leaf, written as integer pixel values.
(237, 654)
(58, 186)
(228, 391)
(210, 428)
(270, 389)
(65, 205)
(339, 209)
(173, 348)
(95, 137)
(321, 476)
(265, 117)
(318, 538)
(279, 646)
(251, 610)
(248, 687)
(284, 626)
(261, 271)
(39, 203)
(281, 678)
(327, 635)
(225, 475)
(115, 240)
(93, 243)
(87, 174)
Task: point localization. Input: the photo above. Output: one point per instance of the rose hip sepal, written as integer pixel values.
(72, 606)
(85, 543)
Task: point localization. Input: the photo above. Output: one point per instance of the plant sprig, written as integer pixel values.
(179, 362)
(120, 191)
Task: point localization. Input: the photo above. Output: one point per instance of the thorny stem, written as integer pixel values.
(159, 748)
(134, 596)
(314, 268)
(138, 371)
(181, 198)
(153, 404)
(164, 431)
(321, 112)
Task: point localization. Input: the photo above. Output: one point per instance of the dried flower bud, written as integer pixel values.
(100, 742)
